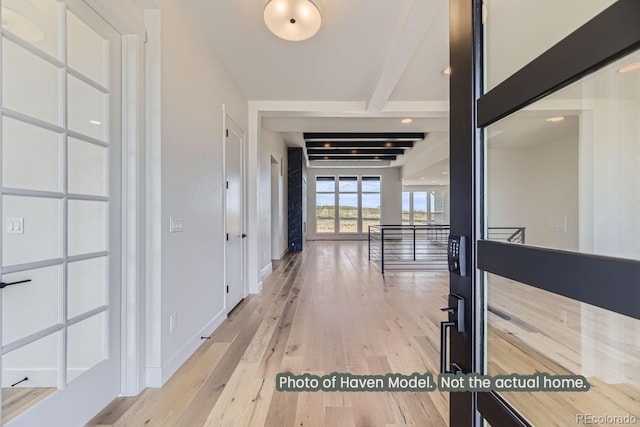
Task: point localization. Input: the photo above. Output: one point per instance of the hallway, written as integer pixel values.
(321, 311)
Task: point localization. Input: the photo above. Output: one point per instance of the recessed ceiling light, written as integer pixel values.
(432, 181)
(95, 122)
(326, 157)
(376, 157)
(354, 151)
(555, 119)
(388, 144)
(407, 120)
(422, 178)
(327, 145)
(447, 71)
(445, 173)
(630, 67)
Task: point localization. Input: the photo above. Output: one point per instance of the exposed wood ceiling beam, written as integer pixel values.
(368, 136)
(359, 144)
(354, 151)
(410, 32)
(353, 157)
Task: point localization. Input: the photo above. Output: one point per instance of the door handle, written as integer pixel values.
(444, 345)
(4, 285)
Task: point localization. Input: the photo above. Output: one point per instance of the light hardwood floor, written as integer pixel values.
(17, 400)
(322, 311)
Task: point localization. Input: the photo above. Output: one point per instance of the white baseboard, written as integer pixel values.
(153, 377)
(266, 271)
(190, 347)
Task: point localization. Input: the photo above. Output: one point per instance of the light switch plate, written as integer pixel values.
(15, 225)
(175, 224)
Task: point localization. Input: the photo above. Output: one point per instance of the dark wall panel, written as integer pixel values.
(296, 192)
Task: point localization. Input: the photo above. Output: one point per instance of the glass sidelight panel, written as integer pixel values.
(567, 168)
(38, 363)
(87, 227)
(86, 286)
(26, 77)
(86, 50)
(87, 109)
(325, 204)
(516, 32)
(530, 330)
(31, 229)
(34, 21)
(86, 345)
(87, 168)
(30, 157)
(31, 307)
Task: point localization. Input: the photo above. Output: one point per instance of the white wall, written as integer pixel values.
(194, 87)
(537, 188)
(391, 197)
(610, 176)
(271, 145)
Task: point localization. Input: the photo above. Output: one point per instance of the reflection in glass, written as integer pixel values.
(531, 330)
(30, 307)
(87, 109)
(40, 239)
(86, 345)
(34, 21)
(86, 286)
(325, 213)
(27, 78)
(571, 177)
(30, 156)
(516, 32)
(86, 227)
(37, 361)
(86, 50)
(87, 168)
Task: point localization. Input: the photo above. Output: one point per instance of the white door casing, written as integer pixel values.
(234, 215)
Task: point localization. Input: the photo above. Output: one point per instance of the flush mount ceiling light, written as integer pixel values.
(555, 119)
(407, 120)
(293, 20)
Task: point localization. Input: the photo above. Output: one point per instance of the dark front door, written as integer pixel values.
(545, 145)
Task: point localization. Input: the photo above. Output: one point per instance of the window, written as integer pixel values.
(325, 204)
(350, 207)
(370, 202)
(423, 207)
(348, 204)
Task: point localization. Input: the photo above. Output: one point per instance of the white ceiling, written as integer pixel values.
(367, 52)
(359, 43)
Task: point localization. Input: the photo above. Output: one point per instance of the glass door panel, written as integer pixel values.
(561, 144)
(60, 178)
(570, 176)
(530, 330)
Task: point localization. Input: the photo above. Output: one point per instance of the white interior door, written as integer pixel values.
(60, 184)
(235, 237)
